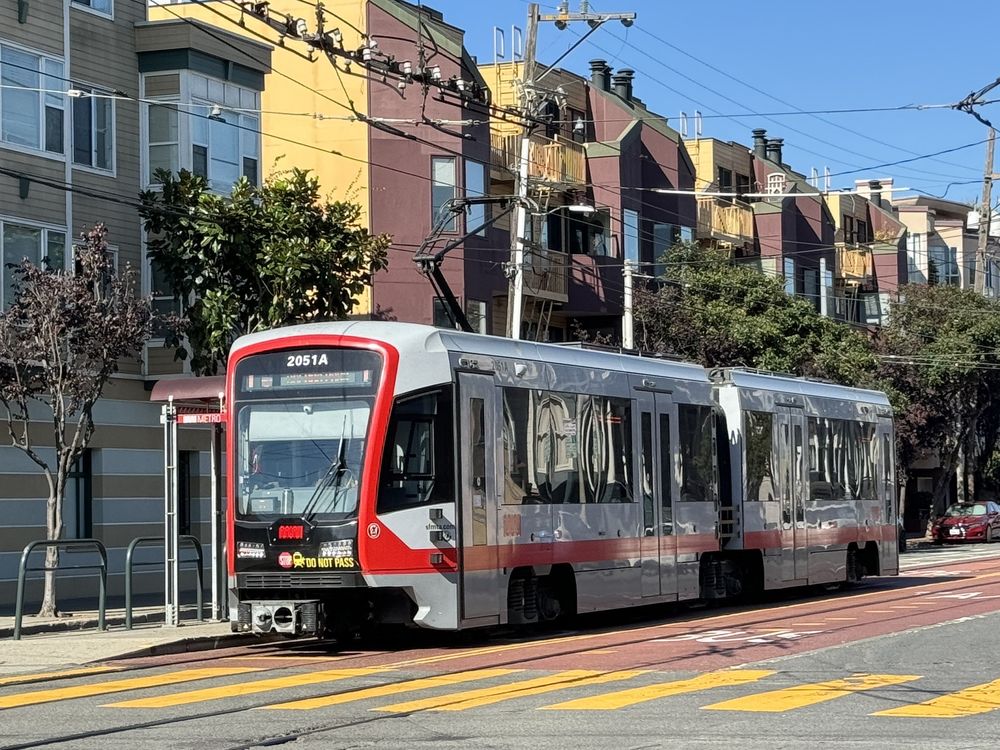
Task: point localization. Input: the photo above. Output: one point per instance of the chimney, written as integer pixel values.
(599, 74)
(875, 192)
(774, 149)
(760, 143)
(623, 83)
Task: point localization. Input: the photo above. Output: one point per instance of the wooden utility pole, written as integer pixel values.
(533, 97)
(985, 216)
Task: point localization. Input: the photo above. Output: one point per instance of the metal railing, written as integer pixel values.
(129, 565)
(23, 568)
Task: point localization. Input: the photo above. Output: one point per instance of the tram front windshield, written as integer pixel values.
(302, 424)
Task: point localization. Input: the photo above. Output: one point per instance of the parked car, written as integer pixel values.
(968, 522)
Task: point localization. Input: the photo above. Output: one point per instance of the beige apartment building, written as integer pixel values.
(93, 98)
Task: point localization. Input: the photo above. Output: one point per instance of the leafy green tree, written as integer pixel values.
(61, 340)
(710, 310)
(940, 364)
(260, 258)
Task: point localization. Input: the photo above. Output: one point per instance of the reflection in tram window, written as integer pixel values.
(888, 483)
(565, 448)
(842, 461)
(760, 456)
(698, 470)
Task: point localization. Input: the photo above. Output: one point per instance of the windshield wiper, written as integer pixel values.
(331, 480)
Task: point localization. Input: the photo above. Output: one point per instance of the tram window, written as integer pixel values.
(759, 432)
(646, 475)
(698, 469)
(666, 476)
(888, 485)
(520, 480)
(418, 461)
(566, 448)
(842, 460)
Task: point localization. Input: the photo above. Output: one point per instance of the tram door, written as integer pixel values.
(477, 443)
(657, 477)
(886, 482)
(791, 464)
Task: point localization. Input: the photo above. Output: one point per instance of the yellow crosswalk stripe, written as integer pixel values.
(979, 699)
(380, 691)
(800, 696)
(20, 679)
(630, 697)
(247, 688)
(117, 686)
(487, 696)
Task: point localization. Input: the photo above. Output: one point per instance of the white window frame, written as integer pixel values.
(630, 235)
(776, 182)
(47, 80)
(476, 215)
(451, 226)
(95, 96)
(42, 250)
(148, 143)
(86, 7)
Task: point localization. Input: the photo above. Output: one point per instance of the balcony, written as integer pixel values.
(722, 219)
(854, 263)
(555, 161)
(545, 274)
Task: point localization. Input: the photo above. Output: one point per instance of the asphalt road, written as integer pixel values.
(913, 660)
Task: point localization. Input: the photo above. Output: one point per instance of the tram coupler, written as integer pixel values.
(297, 617)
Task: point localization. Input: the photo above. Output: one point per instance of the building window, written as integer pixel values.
(37, 244)
(441, 317)
(942, 265)
(31, 102)
(104, 7)
(475, 187)
(93, 130)
(630, 232)
(219, 141)
(78, 517)
(789, 276)
(742, 186)
(916, 258)
(475, 311)
(164, 139)
(862, 232)
(850, 233)
(775, 183)
(165, 303)
(725, 180)
(443, 189)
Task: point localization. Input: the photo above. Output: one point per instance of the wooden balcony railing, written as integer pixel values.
(546, 273)
(854, 262)
(556, 161)
(720, 218)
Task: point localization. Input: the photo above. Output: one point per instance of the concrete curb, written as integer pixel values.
(66, 624)
(195, 644)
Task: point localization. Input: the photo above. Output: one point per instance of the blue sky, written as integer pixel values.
(813, 56)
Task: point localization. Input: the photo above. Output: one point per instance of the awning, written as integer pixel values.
(206, 389)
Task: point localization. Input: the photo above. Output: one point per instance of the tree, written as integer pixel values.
(940, 364)
(260, 258)
(60, 342)
(707, 309)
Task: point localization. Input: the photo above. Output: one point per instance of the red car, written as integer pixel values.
(968, 522)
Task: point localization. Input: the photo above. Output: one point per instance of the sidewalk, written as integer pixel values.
(54, 643)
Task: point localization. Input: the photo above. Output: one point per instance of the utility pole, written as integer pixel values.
(985, 217)
(533, 98)
(628, 317)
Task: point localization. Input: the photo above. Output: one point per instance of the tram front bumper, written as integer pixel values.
(294, 617)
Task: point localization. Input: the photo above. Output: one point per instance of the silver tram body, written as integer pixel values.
(500, 481)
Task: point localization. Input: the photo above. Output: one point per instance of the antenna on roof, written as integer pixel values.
(683, 124)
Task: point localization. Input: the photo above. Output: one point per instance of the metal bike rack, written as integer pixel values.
(22, 569)
(129, 565)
